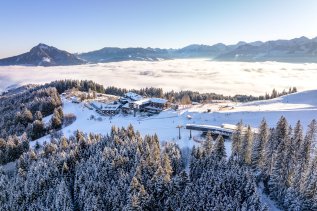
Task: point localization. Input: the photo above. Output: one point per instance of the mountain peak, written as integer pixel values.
(41, 46)
(43, 55)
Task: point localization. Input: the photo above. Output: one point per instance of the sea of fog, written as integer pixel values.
(201, 75)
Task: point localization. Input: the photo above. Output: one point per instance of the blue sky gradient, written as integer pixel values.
(84, 25)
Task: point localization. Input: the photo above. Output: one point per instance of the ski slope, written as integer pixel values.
(298, 106)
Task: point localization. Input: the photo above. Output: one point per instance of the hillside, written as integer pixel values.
(101, 147)
(164, 124)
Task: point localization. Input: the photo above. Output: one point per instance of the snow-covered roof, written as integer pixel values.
(153, 108)
(234, 127)
(125, 99)
(142, 102)
(229, 126)
(111, 107)
(97, 104)
(158, 100)
(126, 105)
(209, 127)
(133, 96)
(105, 106)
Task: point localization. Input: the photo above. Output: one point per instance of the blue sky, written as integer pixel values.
(84, 25)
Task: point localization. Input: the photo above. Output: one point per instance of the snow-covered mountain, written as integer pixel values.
(200, 51)
(112, 54)
(43, 55)
(296, 50)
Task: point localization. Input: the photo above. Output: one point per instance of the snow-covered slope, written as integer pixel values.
(299, 106)
(296, 101)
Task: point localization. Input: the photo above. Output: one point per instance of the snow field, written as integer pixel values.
(299, 106)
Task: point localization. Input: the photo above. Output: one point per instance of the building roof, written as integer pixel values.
(111, 107)
(126, 105)
(153, 108)
(158, 100)
(133, 96)
(105, 106)
(211, 128)
(142, 102)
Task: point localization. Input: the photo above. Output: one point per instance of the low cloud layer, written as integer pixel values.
(184, 74)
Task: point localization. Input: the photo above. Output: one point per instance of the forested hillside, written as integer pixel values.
(22, 111)
(283, 159)
(126, 171)
(186, 97)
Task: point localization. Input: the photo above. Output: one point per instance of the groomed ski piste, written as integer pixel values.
(298, 106)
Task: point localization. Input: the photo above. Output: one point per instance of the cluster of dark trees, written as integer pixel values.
(187, 97)
(19, 112)
(283, 159)
(12, 147)
(123, 171)
(81, 85)
(22, 111)
(21, 118)
(276, 94)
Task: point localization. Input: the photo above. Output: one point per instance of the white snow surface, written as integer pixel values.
(46, 59)
(201, 75)
(299, 106)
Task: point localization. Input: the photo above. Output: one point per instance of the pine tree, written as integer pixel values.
(138, 197)
(310, 191)
(56, 120)
(290, 158)
(269, 154)
(258, 151)
(219, 150)
(302, 164)
(279, 176)
(166, 165)
(298, 138)
(38, 116)
(38, 129)
(63, 199)
(237, 138)
(274, 94)
(208, 144)
(246, 146)
(311, 134)
(4, 190)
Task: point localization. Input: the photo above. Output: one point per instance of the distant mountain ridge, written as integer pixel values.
(43, 55)
(113, 54)
(296, 50)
